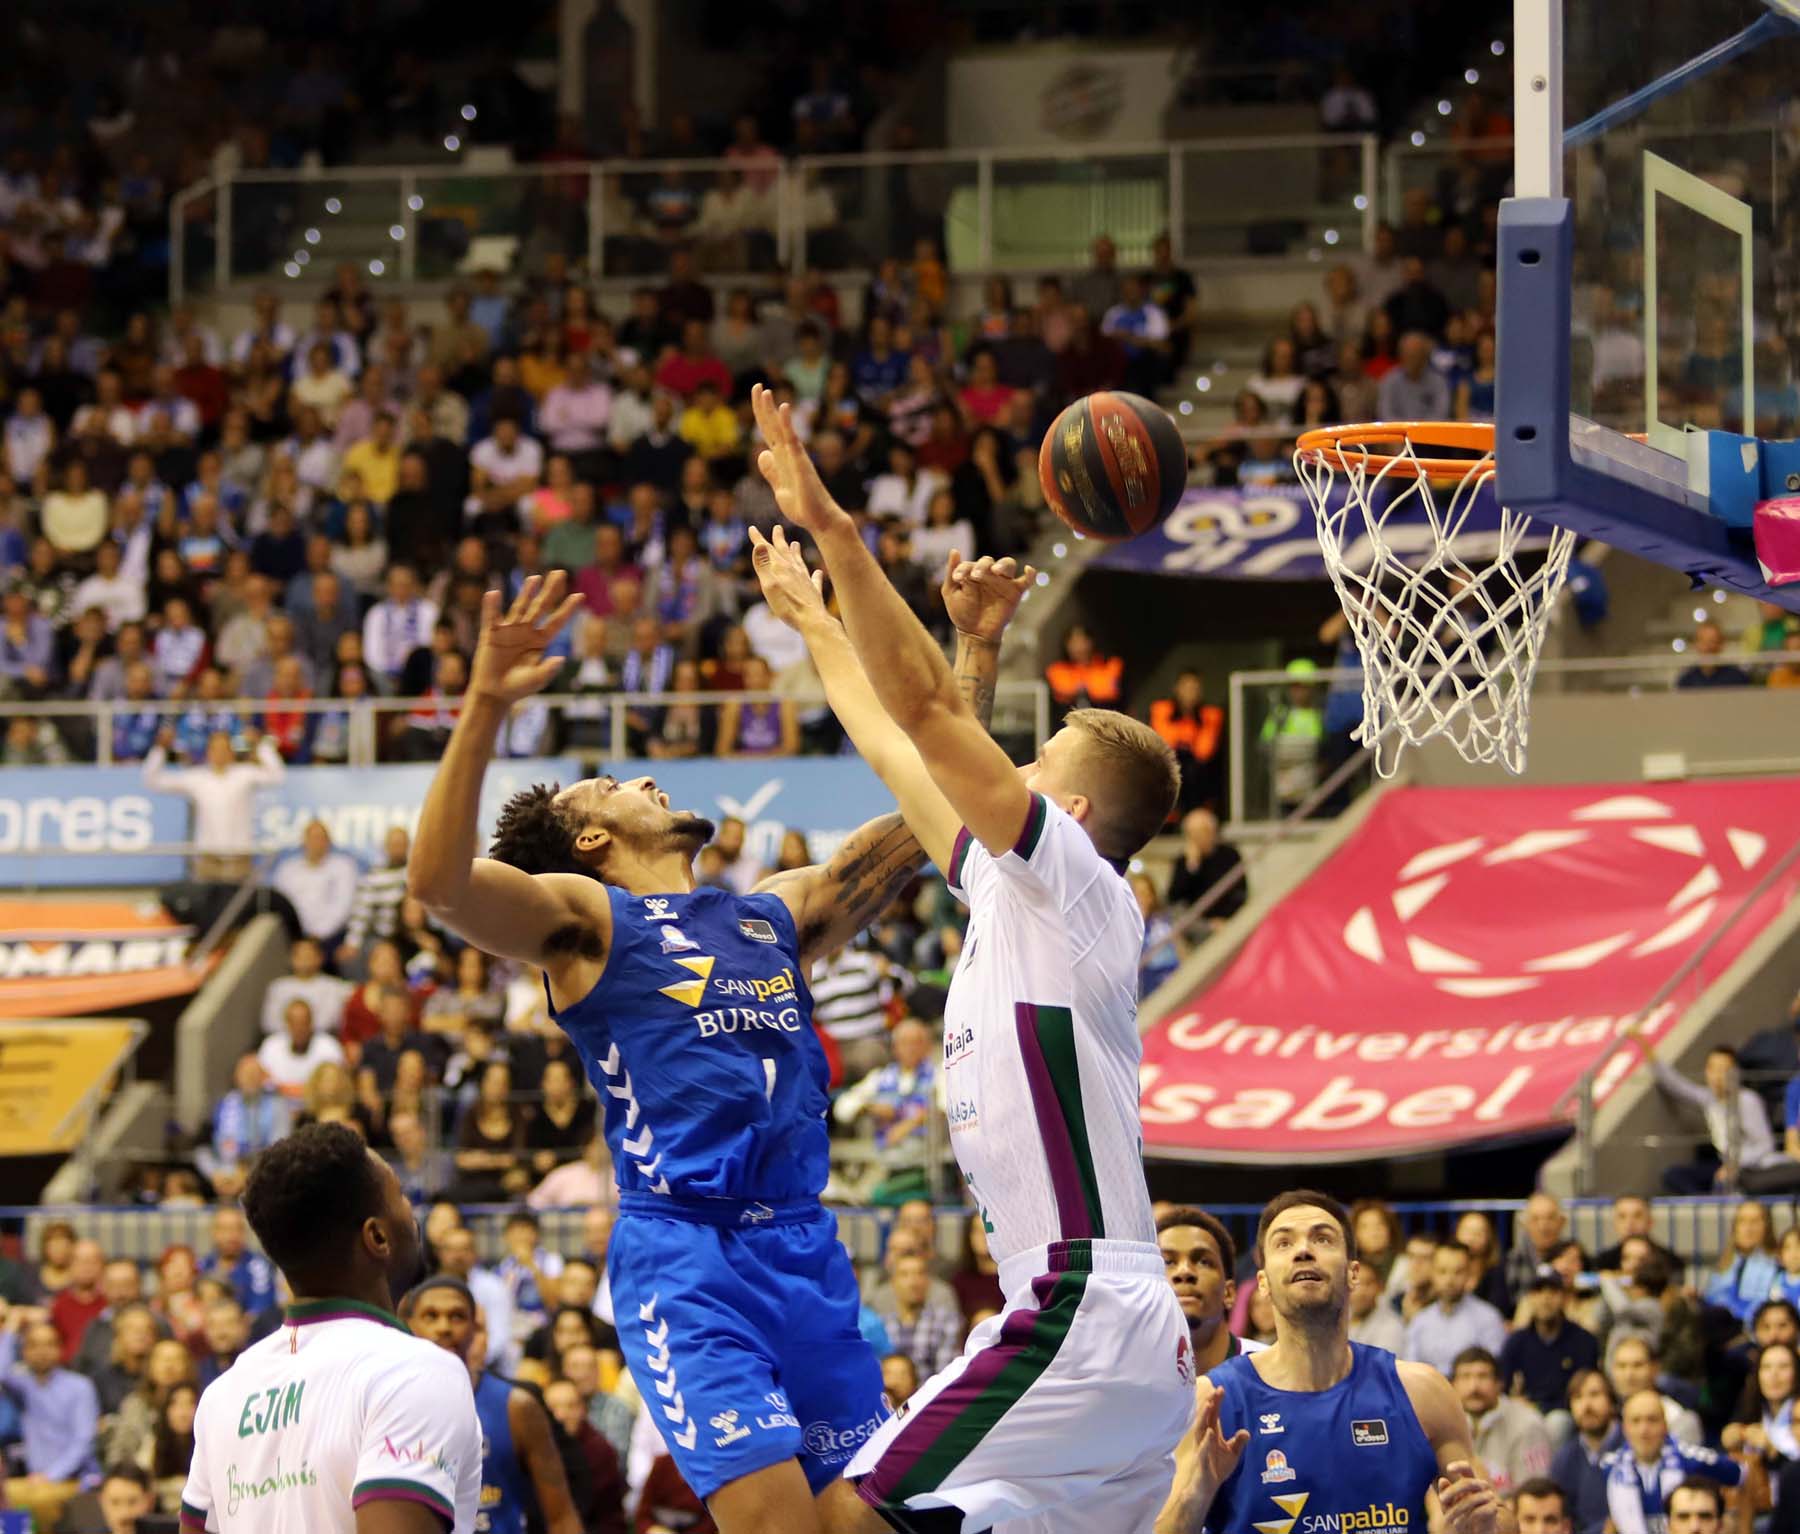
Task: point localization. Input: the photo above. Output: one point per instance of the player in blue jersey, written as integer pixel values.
(522, 1479)
(1316, 1432)
(737, 1308)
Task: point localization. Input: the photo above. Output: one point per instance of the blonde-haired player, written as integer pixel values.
(1064, 1410)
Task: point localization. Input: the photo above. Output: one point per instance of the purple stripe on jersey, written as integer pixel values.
(401, 1491)
(958, 852)
(1053, 1129)
(941, 1411)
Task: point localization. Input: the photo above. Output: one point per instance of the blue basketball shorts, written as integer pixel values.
(739, 1324)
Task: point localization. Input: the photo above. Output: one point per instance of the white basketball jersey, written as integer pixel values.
(1041, 1045)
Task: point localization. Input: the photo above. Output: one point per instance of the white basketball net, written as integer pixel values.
(1449, 626)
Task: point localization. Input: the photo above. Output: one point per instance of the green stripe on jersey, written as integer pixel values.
(1056, 1036)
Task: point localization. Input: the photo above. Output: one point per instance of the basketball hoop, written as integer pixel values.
(1448, 621)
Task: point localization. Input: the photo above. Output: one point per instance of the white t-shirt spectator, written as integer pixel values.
(890, 496)
(321, 893)
(74, 523)
(315, 463)
(772, 639)
(120, 598)
(289, 1071)
(325, 994)
(1278, 394)
(525, 461)
(182, 414)
(281, 337)
(391, 632)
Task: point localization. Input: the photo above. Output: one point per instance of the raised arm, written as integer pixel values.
(501, 909)
(910, 676)
(834, 901)
(530, 1424)
(1469, 1503)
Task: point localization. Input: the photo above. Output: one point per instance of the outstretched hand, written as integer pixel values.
(1470, 1504)
(793, 592)
(509, 661)
(981, 595)
(784, 463)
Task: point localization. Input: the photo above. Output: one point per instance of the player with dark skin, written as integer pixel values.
(445, 1315)
(628, 835)
(1203, 1283)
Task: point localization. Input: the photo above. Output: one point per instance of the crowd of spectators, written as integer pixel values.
(1586, 1376)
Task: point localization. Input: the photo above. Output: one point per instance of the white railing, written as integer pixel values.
(1020, 708)
(1638, 673)
(1019, 210)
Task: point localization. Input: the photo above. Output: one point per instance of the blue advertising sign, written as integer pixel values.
(1268, 533)
(108, 810)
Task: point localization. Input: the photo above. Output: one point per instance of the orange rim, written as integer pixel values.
(1361, 445)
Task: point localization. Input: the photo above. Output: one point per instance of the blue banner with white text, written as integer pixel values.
(1268, 533)
(107, 817)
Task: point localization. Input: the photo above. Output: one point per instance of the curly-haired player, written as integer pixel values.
(342, 1420)
(737, 1308)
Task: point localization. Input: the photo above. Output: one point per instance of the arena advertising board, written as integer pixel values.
(1458, 964)
(107, 815)
(66, 958)
(1267, 534)
(51, 1079)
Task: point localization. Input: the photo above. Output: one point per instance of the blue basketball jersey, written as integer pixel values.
(504, 1492)
(699, 1040)
(1348, 1460)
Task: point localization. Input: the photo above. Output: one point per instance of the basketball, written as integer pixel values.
(1112, 466)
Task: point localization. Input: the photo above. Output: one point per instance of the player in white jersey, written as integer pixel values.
(1063, 1412)
(341, 1422)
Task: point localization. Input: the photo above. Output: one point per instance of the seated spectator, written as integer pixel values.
(710, 426)
(290, 1057)
(851, 989)
(249, 1118)
(251, 1275)
(1163, 950)
(133, 1335)
(1416, 306)
(1578, 1467)
(81, 1300)
(224, 1334)
(325, 994)
(945, 530)
(375, 911)
(1763, 1423)
(169, 1454)
(1540, 1359)
(1280, 381)
(905, 490)
(55, 1260)
(132, 1431)
(1414, 391)
(563, 1122)
(1709, 642)
(1195, 729)
(984, 400)
(1631, 1367)
(1203, 862)
(1084, 678)
(1747, 1270)
(530, 1272)
(1650, 1476)
(598, 1495)
(682, 730)
(928, 1333)
(1755, 1141)
(1507, 1432)
(899, 1099)
(27, 648)
(490, 1143)
(1487, 1275)
(1631, 1216)
(59, 1414)
(177, 1301)
(399, 624)
(683, 372)
(1456, 1319)
(1374, 1321)
(320, 882)
(769, 727)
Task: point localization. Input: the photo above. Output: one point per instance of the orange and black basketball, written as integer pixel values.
(1113, 466)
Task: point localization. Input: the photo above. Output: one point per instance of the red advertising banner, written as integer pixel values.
(1458, 964)
(73, 958)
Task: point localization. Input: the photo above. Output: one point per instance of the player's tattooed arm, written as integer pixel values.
(832, 902)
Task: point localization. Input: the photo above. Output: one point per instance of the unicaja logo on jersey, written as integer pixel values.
(1276, 1468)
(729, 1431)
(1184, 1360)
(959, 1044)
